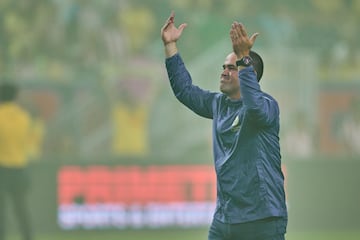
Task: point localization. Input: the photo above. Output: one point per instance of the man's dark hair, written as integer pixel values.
(8, 92)
(258, 64)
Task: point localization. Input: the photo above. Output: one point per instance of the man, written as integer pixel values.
(250, 184)
(14, 143)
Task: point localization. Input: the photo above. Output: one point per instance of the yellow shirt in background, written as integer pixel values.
(14, 135)
(130, 124)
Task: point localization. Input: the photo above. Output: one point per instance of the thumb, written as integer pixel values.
(253, 37)
(182, 27)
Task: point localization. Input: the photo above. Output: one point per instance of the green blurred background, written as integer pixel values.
(92, 75)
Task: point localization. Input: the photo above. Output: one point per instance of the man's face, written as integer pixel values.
(229, 79)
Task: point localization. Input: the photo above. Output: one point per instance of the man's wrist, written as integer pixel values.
(170, 49)
(245, 61)
(243, 53)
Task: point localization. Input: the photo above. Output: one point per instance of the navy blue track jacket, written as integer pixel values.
(250, 183)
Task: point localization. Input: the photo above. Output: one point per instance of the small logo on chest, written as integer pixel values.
(235, 126)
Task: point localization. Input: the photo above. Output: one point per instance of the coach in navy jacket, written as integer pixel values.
(250, 183)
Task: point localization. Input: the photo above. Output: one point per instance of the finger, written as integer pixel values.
(169, 21)
(172, 16)
(237, 32)
(242, 30)
(233, 36)
(182, 27)
(231, 32)
(234, 26)
(253, 37)
(234, 30)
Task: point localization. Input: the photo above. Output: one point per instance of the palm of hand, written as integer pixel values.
(170, 34)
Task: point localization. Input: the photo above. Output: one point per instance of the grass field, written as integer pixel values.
(178, 234)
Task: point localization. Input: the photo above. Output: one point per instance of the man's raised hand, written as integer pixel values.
(240, 41)
(169, 32)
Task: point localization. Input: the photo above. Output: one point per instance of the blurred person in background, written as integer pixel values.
(351, 128)
(15, 131)
(250, 183)
(130, 115)
(298, 141)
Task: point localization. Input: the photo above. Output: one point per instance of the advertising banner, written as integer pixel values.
(101, 197)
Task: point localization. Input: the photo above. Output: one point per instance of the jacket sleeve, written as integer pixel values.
(262, 108)
(195, 98)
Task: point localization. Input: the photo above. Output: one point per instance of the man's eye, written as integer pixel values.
(229, 67)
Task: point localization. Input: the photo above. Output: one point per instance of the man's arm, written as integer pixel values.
(195, 98)
(264, 109)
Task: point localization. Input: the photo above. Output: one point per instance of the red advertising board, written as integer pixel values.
(135, 196)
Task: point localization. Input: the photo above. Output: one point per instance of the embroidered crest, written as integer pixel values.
(235, 125)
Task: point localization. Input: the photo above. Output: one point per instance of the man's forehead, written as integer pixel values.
(230, 58)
